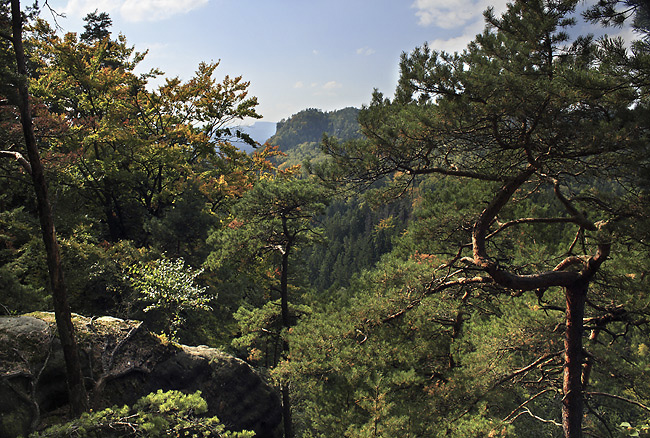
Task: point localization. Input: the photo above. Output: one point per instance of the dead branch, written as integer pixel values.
(525, 410)
(618, 397)
(18, 157)
(578, 217)
(507, 419)
(431, 289)
(529, 220)
(119, 345)
(537, 363)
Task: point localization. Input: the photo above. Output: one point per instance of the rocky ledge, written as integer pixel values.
(122, 362)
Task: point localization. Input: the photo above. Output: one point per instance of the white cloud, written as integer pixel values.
(449, 14)
(331, 85)
(465, 16)
(80, 8)
(298, 84)
(315, 52)
(365, 51)
(134, 10)
(459, 43)
(156, 10)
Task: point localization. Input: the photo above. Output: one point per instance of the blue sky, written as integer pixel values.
(297, 54)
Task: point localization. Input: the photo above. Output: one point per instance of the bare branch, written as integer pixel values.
(452, 172)
(530, 220)
(18, 157)
(55, 15)
(578, 217)
(7, 36)
(538, 361)
(490, 213)
(570, 261)
(543, 420)
(575, 241)
(431, 289)
(508, 418)
(618, 397)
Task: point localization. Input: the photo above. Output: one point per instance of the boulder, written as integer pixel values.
(122, 362)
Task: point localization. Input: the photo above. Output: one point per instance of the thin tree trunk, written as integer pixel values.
(286, 411)
(572, 403)
(286, 322)
(284, 290)
(76, 389)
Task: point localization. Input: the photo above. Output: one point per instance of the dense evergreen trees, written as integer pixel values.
(521, 114)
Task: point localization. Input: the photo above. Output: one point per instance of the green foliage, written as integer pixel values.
(300, 135)
(23, 272)
(269, 220)
(356, 236)
(127, 155)
(270, 224)
(160, 414)
(169, 287)
(308, 126)
(137, 170)
(261, 332)
(97, 26)
(390, 329)
(487, 140)
(640, 431)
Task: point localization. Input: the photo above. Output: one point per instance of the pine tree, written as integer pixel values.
(522, 111)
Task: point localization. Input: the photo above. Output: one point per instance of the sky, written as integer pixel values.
(297, 54)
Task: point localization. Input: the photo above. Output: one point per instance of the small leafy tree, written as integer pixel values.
(169, 287)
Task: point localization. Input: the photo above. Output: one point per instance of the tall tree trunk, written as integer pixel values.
(286, 411)
(286, 322)
(76, 389)
(572, 403)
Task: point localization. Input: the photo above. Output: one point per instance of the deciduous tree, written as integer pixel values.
(74, 377)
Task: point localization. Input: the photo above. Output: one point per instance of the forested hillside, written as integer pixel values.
(308, 126)
(465, 258)
(300, 135)
(356, 232)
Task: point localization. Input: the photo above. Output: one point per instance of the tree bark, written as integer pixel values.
(572, 403)
(76, 389)
(575, 284)
(286, 411)
(286, 322)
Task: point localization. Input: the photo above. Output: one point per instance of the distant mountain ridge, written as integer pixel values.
(304, 130)
(308, 126)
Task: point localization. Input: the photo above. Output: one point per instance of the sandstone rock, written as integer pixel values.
(122, 362)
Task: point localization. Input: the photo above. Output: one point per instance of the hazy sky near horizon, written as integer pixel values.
(297, 54)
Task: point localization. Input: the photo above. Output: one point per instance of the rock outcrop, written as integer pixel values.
(122, 362)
